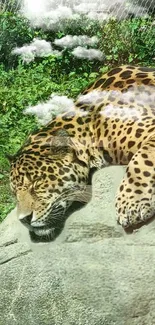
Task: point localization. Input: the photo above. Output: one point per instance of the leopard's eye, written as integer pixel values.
(36, 182)
(34, 185)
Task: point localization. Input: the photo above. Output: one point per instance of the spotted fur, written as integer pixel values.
(112, 123)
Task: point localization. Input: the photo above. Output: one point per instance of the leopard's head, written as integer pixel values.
(46, 177)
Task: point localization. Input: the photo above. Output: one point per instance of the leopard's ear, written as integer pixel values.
(60, 138)
(62, 144)
(9, 157)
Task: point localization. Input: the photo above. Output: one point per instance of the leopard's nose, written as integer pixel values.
(26, 219)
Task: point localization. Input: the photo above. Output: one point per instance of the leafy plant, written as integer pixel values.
(15, 31)
(129, 41)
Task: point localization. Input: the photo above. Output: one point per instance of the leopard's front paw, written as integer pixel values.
(130, 212)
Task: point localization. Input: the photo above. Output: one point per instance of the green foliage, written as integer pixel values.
(121, 41)
(14, 31)
(11, 5)
(129, 41)
(27, 87)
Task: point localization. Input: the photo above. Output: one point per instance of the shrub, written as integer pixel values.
(27, 87)
(14, 31)
(129, 41)
(121, 41)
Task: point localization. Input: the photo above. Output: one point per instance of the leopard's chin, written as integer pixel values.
(43, 231)
(45, 234)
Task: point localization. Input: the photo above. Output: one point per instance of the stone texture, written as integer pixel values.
(92, 274)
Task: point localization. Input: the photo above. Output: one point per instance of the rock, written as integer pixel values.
(93, 273)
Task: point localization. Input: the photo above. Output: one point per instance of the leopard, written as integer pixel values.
(112, 123)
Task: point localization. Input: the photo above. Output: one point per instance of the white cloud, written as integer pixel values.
(86, 7)
(90, 54)
(53, 107)
(58, 105)
(142, 95)
(70, 41)
(113, 110)
(34, 9)
(37, 48)
(55, 18)
(92, 96)
(27, 52)
(101, 16)
(51, 14)
(136, 97)
(45, 13)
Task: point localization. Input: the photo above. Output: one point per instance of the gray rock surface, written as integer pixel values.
(93, 274)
